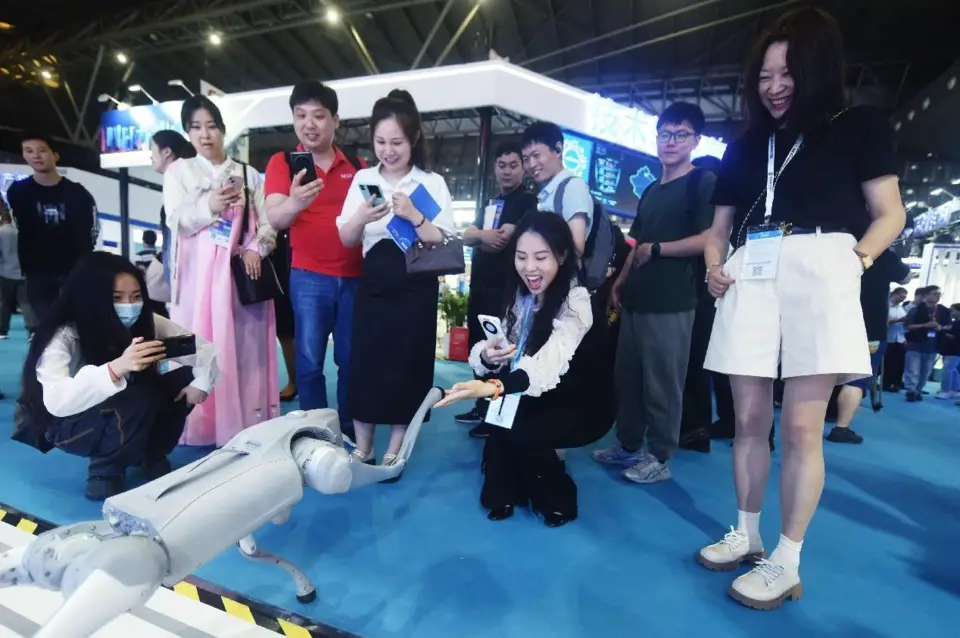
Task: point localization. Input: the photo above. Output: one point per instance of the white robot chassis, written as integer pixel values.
(161, 532)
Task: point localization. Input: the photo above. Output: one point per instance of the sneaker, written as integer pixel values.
(361, 457)
(939, 395)
(4, 337)
(730, 552)
(648, 470)
(844, 435)
(766, 586)
(616, 455)
(472, 417)
(100, 488)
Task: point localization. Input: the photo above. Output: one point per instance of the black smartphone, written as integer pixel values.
(303, 160)
(179, 346)
(372, 190)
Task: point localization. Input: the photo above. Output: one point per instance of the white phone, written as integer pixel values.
(491, 327)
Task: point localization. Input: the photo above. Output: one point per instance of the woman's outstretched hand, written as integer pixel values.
(466, 390)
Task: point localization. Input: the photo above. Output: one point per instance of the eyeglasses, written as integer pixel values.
(677, 136)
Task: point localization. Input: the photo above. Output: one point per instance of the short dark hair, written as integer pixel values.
(314, 91)
(929, 290)
(816, 63)
(680, 112)
(195, 103)
(177, 143)
(400, 105)
(149, 238)
(507, 148)
(546, 133)
(900, 290)
(35, 136)
(922, 290)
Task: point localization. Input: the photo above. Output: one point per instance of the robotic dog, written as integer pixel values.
(159, 533)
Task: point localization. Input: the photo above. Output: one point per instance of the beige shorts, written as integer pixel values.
(807, 319)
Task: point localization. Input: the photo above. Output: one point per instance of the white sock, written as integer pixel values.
(749, 524)
(787, 553)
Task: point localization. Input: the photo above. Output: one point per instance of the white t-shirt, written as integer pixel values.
(377, 231)
(896, 331)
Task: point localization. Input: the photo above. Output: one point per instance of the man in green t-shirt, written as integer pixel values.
(657, 294)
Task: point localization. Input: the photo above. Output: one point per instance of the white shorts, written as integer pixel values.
(808, 318)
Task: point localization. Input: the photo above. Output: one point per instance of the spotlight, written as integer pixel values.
(122, 57)
(332, 16)
(215, 39)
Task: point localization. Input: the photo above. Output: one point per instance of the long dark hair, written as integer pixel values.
(816, 62)
(86, 303)
(399, 105)
(557, 234)
(177, 143)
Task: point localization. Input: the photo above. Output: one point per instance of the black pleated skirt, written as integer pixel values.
(394, 339)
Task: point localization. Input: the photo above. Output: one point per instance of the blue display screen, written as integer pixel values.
(617, 177)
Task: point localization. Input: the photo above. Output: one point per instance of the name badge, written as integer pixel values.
(502, 411)
(220, 233)
(932, 334)
(762, 253)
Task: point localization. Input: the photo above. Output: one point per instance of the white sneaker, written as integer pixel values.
(616, 455)
(648, 470)
(943, 395)
(766, 586)
(730, 552)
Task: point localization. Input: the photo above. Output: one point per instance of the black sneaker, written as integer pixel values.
(154, 469)
(100, 488)
(481, 431)
(844, 435)
(469, 418)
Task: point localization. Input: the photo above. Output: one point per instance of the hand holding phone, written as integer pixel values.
(303, 161)
(492, 328)
(372, 191)
(179, 346)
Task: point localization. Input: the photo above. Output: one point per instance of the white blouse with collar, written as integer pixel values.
(187, 186)
(377, 231)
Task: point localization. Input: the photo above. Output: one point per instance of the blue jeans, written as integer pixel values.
(917, 370)
(950, 379)
(322, 305)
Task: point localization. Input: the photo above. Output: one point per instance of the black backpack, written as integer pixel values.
(604, 246)
(693, 199)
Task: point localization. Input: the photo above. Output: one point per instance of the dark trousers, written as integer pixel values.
(521, 470)
(697, 410)
(141, 423)
(42, 292)
(159, 308)
(482, 301)
(13, 294)
(893, 366)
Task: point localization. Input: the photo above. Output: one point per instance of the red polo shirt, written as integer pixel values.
(314, 237)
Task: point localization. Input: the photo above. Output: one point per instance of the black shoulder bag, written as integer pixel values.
(267, 286)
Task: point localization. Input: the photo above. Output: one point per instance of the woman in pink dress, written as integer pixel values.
(204, 201)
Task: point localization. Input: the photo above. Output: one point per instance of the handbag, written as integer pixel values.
(444, 258)
(267, 286)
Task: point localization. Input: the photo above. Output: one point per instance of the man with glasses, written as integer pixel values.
(657, 294)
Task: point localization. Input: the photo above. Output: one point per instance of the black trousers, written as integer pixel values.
(697, 411)
(893, 364)
(141, 423)
(159, 308)
(42, 292)
(13, 294)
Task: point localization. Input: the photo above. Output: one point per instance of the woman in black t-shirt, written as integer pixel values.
(790, 292)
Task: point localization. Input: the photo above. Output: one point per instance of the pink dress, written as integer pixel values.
(205, 302)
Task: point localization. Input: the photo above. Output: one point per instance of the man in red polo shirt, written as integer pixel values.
(324, 275)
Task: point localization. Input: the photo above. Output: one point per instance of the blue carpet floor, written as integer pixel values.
(418, 558)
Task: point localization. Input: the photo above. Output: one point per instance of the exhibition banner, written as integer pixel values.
(130, 130)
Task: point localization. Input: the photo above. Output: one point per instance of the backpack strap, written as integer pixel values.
(558, 195)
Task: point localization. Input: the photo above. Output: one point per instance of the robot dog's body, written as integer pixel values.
(163, 531)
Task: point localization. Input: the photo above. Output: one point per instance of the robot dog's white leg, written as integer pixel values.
(118, 575)
(306, 592)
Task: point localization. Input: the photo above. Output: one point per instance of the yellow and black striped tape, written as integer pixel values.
(254, 612)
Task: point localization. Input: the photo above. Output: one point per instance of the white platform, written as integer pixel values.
(168, 615)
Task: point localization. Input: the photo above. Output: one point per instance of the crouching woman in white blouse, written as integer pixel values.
(550, 368)
(91, 386)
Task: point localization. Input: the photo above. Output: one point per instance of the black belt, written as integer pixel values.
(790, 229)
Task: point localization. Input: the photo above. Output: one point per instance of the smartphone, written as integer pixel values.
(491, 327)
(179, 346)
(235, 182)
(303, 160)
(372, 190)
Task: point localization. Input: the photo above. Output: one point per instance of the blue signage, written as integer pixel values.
(130, 130)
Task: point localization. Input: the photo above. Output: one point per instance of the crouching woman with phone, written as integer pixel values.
(91, 382)
(549, 378)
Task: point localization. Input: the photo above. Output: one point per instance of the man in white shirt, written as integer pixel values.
(893, 358)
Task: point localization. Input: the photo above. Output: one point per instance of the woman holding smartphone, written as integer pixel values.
(205, 199)
(90, 383)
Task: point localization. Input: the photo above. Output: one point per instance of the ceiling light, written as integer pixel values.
(215, 39)
(5, 26)
(135, 88)
(332, 16)
(46, 74)
(122, 57)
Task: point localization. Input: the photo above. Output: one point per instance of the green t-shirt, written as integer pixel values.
(666, 284)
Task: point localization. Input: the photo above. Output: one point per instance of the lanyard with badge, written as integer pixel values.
(762, 250)
(503, 410)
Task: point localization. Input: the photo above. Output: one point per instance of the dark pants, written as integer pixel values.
(482, 301)
(13, 293)
(697, 411)
(159, 308)
(521, 470)
(42, 292)
(140, 424)
(893, 366)
(323, 305)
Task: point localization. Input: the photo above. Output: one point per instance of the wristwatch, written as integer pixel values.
(865, 260)
(655, 249)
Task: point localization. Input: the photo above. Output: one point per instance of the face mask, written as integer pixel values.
(128, 312)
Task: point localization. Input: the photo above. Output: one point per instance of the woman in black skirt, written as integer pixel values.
(553, 365)
(395, 314)
(284, 310)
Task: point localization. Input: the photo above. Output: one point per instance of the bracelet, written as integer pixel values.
(497, 387)
(706, 278)
(423, 220)
(113, 375)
